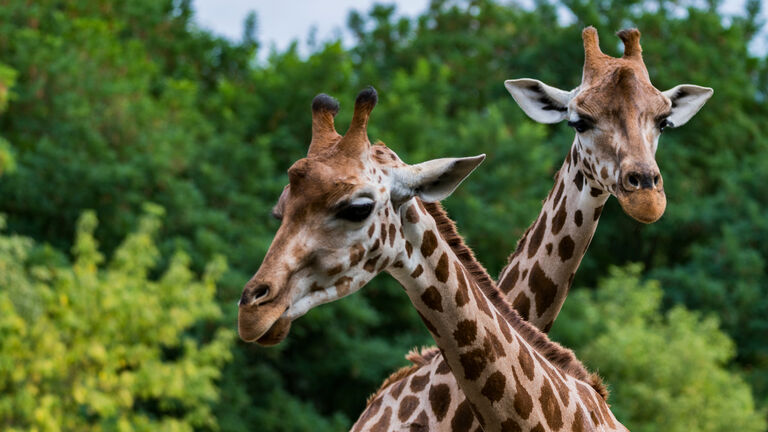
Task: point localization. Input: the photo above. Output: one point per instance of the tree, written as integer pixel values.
(94, 346)
(667, 370)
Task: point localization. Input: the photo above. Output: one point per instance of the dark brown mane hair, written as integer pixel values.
(559, 356)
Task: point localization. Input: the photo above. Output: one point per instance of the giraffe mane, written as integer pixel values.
(562, 358)
(417, 357)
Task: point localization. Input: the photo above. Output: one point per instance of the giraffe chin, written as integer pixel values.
(276, 333)
(645, 205)
(265, 329)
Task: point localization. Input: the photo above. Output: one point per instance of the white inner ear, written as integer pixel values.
(541, 102)
(687, 100)
(433, 180)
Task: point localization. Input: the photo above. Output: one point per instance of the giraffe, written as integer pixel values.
(361, 211)
(618, 117)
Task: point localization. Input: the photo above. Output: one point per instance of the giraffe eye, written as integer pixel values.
(580, 125)
(356, 211)
(665, 123)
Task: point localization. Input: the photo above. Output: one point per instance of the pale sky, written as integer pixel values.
(282, 21)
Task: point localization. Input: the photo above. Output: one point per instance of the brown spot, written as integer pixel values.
(462, 296)
(510, 425)
(463, 418)
(335, 270)
(550, 407)
(578, 218)
(442, 368)
(525, 273)
(356, 254)
(398, 264)
(411, 215)
(342, 285)
(598, 210)
(368, 414)
(440, 400)
(397, 389)
(432, 329)
(428, 243)
(316, 287)
(408, 248)
(595, 192)
(549, 248)
(558, 382)
(526, 361)
(559, 193)
(384, 264)
(465, 332)
(504, 326)
(392, 231)
(383, 424)
(579, 421)
(604, 173)
(480, 300)
(522, 304)
(559, 219)
(371, 229)
(383, 233)
(578, 180)
(565, 248)
(407, 407)
(370, 265)
(523, 402)
(441, 271)
(432, 299)
(538, 235)
(494, 386)
(419, 382)
(417, 271)
(498, 347)
(544, 288)
(473, 362)
(510, 279)
(420, 423)
(538, 428)
(575, 155)
(375, 246)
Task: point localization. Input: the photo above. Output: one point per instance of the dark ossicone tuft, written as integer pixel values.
(323, 102)
(368, 97)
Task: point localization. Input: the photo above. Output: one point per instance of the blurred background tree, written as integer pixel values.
(110, 105)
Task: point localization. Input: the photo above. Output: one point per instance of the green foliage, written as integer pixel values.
(115, 104)
(101, 346)
(667, 371)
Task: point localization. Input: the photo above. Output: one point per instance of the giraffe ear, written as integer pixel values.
(687, 100)
(541, 102)
(432, 180)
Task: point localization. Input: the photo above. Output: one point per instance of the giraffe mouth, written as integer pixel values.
(646, 205)
(265, 326)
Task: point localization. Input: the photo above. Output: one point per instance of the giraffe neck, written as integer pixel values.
(487, 346)
(539, 273)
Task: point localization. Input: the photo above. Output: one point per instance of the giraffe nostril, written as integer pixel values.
(260, 292)
(656, 179)
(634, 180)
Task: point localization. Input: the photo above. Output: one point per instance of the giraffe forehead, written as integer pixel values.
(622, 92)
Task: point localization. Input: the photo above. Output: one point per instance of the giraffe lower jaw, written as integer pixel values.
(265, 327)
(276, 333)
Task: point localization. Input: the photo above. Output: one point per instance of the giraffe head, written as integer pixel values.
(341, 220)
(618, 116)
